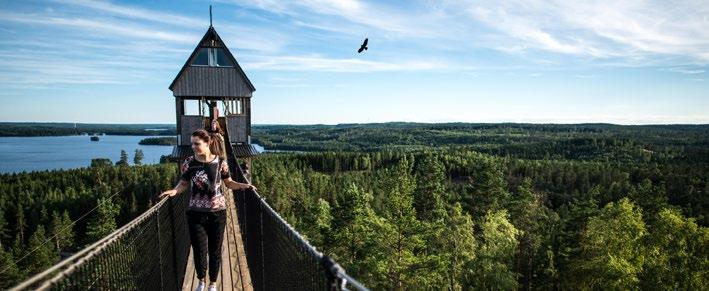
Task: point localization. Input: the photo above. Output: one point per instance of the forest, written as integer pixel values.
(608, 142)
(433, 206)
(58, 128)
(163, 140)
(498, 207)
(461, 219)
(38, 205)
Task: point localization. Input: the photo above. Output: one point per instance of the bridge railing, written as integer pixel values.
(279, 258)
(148, 253)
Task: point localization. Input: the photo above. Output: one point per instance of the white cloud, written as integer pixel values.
(136, 13)
(355, 17)
(632, 29)
(99, 27)
(316, 63)
(689, 71)
(633, 32)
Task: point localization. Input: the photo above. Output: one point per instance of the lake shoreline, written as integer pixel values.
(39, 153)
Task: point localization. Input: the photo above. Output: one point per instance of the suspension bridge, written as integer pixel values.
(260, 250)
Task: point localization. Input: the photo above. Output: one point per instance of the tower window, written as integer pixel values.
(202, 58)
(213, 57)
(222, 59)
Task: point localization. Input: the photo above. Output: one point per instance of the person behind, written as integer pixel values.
(205, 172)
(216, 132)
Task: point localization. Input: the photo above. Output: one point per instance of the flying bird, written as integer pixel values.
(364, 46)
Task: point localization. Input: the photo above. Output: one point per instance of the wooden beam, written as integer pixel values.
(179, 111)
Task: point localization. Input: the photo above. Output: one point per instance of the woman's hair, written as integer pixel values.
(218, 128)
(210, 139)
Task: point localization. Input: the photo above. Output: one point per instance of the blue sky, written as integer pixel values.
(627, 62)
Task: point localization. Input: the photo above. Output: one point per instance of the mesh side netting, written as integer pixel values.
(148, 253)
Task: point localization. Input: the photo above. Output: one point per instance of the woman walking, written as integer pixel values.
(205, 172)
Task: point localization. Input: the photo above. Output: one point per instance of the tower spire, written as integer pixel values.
(210, 15)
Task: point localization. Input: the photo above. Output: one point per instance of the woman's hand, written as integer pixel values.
(231, 184)
(171, 192)
(182, 186)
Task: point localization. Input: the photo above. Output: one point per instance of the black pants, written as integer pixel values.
(206, 234)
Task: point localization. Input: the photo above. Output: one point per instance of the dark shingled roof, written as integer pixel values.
(209, 36)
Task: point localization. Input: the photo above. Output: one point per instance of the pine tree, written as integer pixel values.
(566, 238)
(10, 273)
(20, 222)
(138, 157)
(355, 231)
(123, 161)
(104, 221)
(651, 198)
(320, 221)
(487, 189)
(18, 250)
(4, 229)
(43, 255)
(406, 265)
(62, 230)
(534, 220)
(429, 196)
(430, 205)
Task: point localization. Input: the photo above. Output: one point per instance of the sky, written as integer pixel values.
(557, 61)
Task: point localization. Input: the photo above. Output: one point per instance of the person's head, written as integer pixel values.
(201, 142)
(215, 127)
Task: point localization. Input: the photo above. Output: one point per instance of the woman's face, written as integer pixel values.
(199, 146)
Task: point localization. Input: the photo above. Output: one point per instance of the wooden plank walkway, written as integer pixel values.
(234, 272)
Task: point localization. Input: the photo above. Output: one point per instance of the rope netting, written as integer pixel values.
(148, 253)
(279, 258)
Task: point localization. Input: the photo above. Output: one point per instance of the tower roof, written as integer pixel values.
(211, 71)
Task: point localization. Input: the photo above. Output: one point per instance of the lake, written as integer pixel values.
(19, 154)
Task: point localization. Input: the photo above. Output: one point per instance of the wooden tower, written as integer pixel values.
(212, 80)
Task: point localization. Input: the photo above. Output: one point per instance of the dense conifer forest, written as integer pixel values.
(433, 206)
(498, 206)
(59, 128)
(165, 140)
(38, 205)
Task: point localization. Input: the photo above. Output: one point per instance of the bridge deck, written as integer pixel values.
(234, 272)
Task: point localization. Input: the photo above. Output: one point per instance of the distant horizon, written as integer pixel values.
(364, 123)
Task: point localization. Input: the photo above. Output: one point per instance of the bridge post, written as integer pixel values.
(331, 271)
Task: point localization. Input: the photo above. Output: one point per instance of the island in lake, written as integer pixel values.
(163, 141)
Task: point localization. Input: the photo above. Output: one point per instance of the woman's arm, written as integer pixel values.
(181, 187)
(231, 184)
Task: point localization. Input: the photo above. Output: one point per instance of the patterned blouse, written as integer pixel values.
(204, 179)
